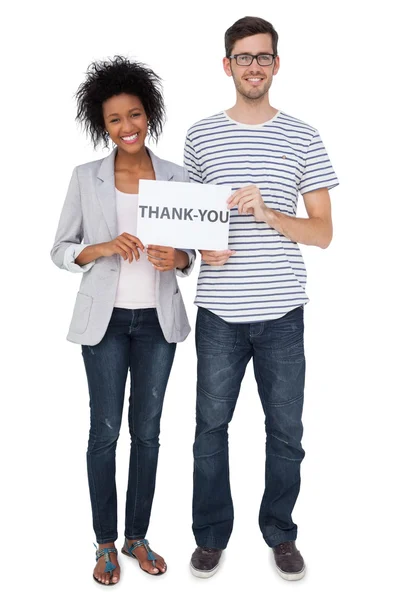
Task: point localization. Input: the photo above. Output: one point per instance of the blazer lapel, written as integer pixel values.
(106, 192)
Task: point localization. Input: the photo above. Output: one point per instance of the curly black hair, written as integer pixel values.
(118, 75)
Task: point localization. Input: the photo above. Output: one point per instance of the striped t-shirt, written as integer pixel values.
(266, 277)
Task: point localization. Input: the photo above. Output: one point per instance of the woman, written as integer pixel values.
(129, 312)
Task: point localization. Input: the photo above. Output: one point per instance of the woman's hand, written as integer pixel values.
(126, 245)
(166, 258)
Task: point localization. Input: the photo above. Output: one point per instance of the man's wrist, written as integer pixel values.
(277, 221)
(269, 216)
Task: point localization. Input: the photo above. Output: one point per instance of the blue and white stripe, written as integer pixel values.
(266, 278)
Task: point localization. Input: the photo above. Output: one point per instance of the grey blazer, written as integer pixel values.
(89, 216)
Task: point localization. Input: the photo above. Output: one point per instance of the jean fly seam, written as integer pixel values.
(138, 315)
(257, 333)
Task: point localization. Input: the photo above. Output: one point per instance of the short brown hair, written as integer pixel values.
(246, 27)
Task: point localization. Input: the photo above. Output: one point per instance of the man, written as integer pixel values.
(251, 296)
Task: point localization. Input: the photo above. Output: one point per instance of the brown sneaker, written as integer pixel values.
(289, 562)
(205, 561)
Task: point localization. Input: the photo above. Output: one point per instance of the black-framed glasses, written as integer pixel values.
(245, 60)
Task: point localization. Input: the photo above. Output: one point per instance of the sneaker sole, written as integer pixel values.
(291, 576)
(203, 574)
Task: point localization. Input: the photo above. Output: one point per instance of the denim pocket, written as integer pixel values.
(213, 334)
(285, 336)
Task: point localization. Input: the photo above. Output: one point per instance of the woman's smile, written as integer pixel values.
(130, 139)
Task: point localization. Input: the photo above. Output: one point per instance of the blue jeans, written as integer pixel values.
(134, 341)
(223, 351)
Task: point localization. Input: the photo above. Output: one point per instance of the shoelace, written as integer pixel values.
(285, 547)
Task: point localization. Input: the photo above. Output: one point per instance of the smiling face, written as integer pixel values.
(126, 122)
(254, 81)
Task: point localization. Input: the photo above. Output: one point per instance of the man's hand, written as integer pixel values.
(249, 201)
(166, 258)
(216, 258)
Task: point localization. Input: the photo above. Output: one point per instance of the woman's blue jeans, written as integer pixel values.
(133, 341)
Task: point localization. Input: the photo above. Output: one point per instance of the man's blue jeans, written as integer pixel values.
(223, 351)
(133, 341)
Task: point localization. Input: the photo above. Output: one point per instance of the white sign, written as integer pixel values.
(183, 215)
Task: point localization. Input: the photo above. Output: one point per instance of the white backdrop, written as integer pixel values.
(338, 72)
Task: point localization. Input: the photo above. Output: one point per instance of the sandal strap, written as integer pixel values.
(106, 553)
(145, 544)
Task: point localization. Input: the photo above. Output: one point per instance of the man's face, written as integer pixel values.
(253, 81)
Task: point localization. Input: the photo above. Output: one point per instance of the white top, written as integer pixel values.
(137, 280)
(266, 277)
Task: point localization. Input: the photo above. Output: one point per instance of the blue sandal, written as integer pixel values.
(109, 565)
(129, 550)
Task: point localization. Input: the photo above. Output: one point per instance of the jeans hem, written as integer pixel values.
(107, 540)
(212, 542)
(279, 538)
(135, 536)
